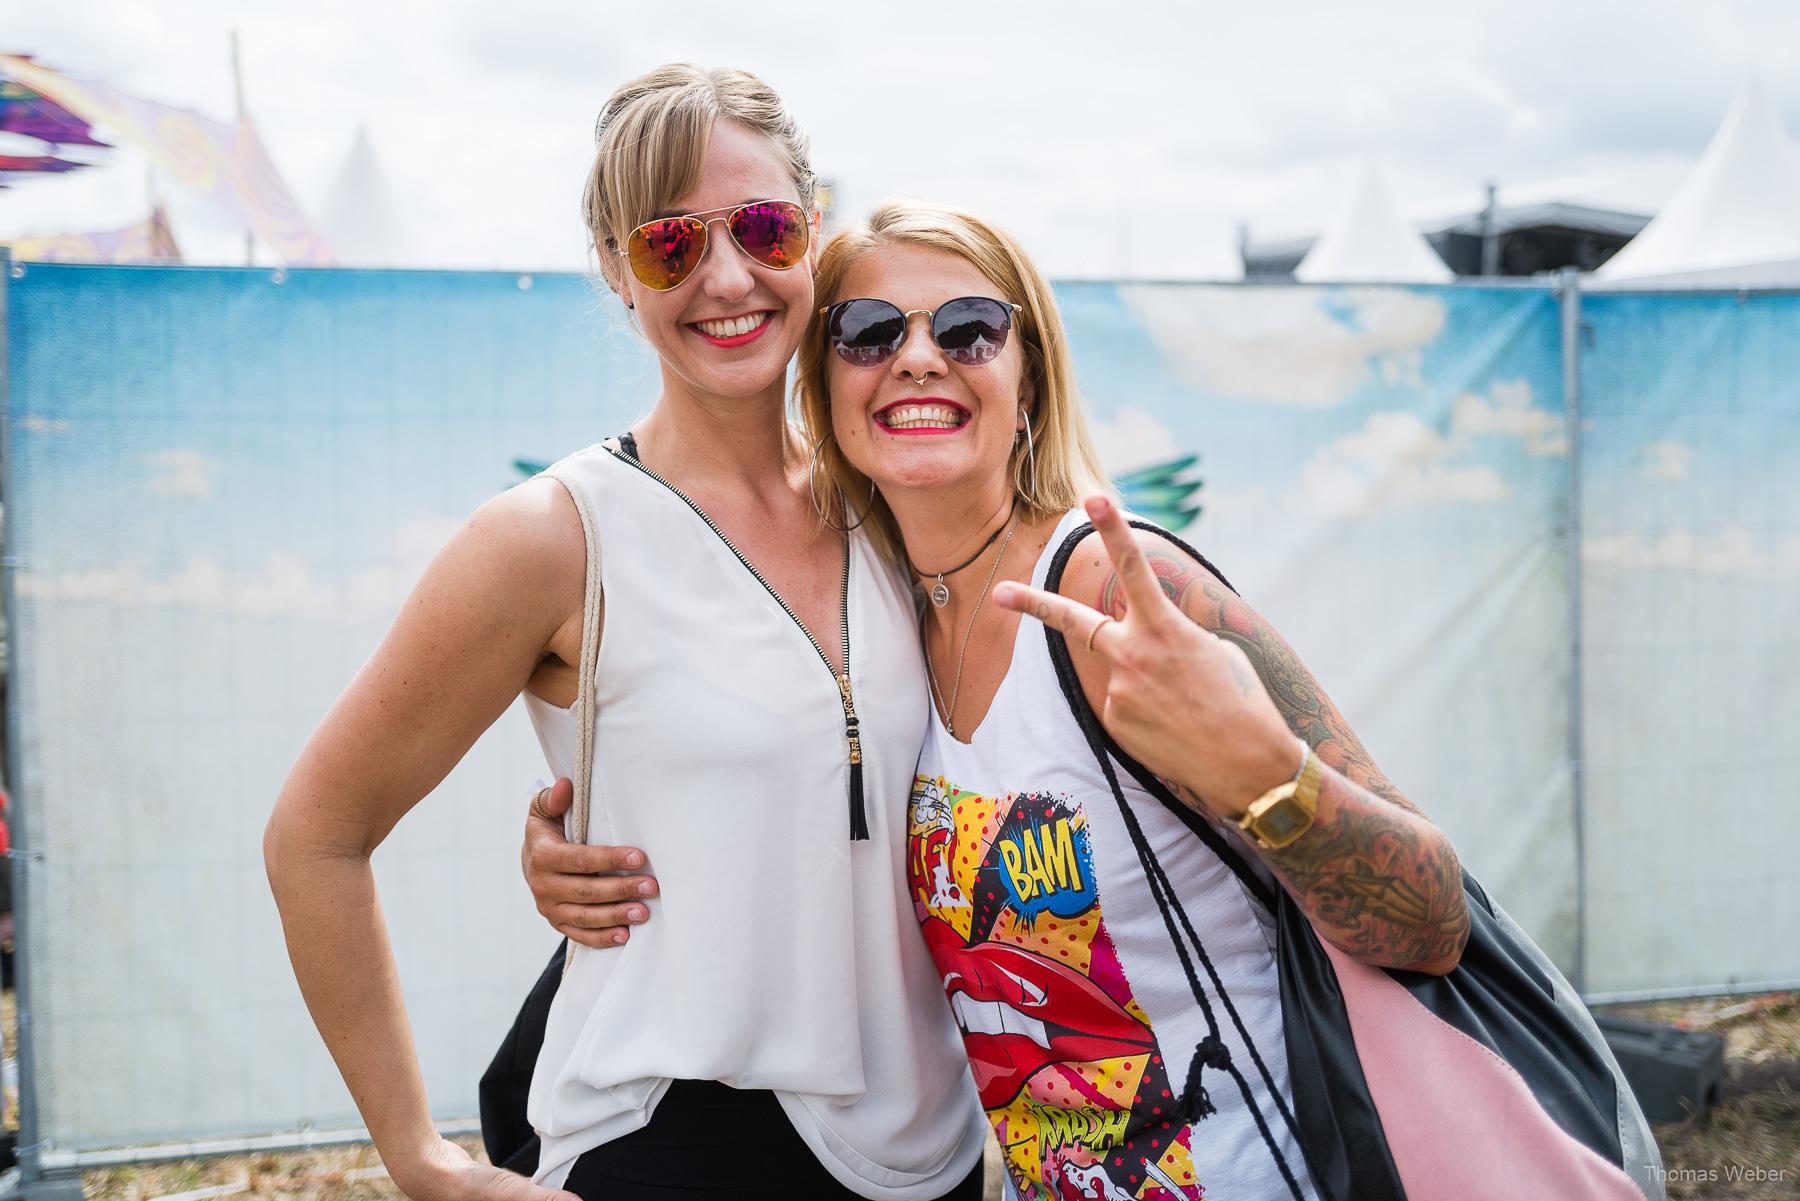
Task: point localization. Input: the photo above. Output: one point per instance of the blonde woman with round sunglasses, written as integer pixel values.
(757, 700)
(938, 383)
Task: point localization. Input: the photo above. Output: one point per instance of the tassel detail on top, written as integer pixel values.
(859, 820)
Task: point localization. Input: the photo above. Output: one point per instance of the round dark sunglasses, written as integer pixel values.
(970, 330)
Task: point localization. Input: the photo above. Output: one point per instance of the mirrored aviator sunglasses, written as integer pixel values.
(970, 330)
(665, 251)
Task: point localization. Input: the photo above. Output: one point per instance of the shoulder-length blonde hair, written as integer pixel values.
(1059, 467)
(651, 139)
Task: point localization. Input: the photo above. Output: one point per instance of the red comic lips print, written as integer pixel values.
(1003, 998)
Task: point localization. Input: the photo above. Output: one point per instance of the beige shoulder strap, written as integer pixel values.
(584, 683)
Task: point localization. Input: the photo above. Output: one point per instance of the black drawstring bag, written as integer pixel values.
(506, 1133)
(1504, 1013)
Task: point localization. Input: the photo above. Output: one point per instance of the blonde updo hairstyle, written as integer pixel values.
(1066, 466)
(651, 140)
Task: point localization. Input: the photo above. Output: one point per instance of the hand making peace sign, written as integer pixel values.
(1182, 701)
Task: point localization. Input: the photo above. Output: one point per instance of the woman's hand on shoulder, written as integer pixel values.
(1164, 686)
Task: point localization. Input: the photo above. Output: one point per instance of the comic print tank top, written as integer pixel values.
(779, 953)
(1079, 1022)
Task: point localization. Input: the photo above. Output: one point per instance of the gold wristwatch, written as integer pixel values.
(1281, 815)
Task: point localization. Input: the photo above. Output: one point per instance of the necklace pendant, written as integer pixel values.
(940, 593)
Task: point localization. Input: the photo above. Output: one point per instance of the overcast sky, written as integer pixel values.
(1118, 139)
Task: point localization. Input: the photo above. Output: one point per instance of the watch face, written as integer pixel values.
(1283, 822)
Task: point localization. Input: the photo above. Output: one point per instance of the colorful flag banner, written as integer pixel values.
(147, 241)
(20, 168)
(38, 162)
(23, 111)
(226, 164)
(17, 167)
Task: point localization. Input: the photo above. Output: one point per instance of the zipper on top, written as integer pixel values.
(859, 821)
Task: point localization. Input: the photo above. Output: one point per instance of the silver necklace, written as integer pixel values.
(931, 671)
(940, 591)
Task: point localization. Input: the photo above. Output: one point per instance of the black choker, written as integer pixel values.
(940, 591)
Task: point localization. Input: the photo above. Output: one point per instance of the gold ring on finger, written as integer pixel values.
(1095, 632)
(537, 805)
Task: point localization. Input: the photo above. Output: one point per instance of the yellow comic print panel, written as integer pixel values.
(948, 834)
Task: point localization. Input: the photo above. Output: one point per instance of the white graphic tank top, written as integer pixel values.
(1079, 1022)
(779, 954)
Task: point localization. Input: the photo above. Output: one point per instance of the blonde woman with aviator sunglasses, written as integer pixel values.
(756, 699)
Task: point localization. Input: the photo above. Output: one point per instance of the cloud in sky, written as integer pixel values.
(1130, 439)
(180, 473)
(1395, 460)
(284, 584)
(1303, 348)
(36, 423)
(1731, 551)
(1667, 461)
(1507, 411)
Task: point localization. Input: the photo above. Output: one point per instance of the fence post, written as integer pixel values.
(1568, 292)
(34, 1184)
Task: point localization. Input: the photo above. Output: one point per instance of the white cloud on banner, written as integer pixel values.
(283, 585)
(1733, 551)
(180, 473)
(1301, 347)
(38, 424)
(1667, 461)
(1395, 460)
(1131, 439)
(1507, 411)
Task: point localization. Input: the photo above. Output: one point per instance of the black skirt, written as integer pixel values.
(707, 1139)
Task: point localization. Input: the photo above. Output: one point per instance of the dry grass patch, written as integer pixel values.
(1755, 1127)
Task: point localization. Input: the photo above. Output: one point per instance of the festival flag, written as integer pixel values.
(15, 167)
(23, 111)
(226, 164)
(1163, 492)
(147, 241)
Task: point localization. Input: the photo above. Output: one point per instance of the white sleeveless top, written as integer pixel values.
(779, 954)
(1077, 1016)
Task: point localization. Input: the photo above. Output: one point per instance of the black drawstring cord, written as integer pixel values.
(1211, 1051)
(1196, 1104)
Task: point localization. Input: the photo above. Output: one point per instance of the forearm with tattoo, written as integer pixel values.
(1374, 875)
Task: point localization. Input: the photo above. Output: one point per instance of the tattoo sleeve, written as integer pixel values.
(1376, 877)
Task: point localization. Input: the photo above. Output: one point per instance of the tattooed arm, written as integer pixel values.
(1377, 878)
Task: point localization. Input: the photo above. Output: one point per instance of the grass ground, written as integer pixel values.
(1755, 1127)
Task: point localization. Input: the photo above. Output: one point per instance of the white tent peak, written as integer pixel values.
(1738, 212)
(1369, 242)
(360, 216)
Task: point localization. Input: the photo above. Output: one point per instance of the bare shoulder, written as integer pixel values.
(1090, 579)
(531, 526)
(523, 546)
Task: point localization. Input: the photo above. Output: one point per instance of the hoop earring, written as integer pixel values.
(812, 487)
(1030, 494)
